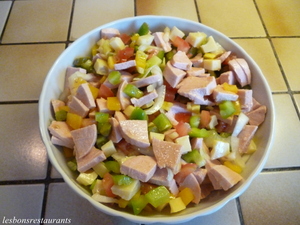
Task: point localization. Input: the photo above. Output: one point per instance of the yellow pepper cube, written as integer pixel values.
(113, 103)
(94, 91)
(186, 195)
(177, 205)
(230, 87)
(234, 167)
(74, 120)
(122, 203)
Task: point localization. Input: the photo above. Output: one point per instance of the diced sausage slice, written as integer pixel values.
(115, 135)
(125, 65)
(161, 177)
(224, 56)
(84, 139)
(245, 136)
(91, 159)
(239, 72)
(135, 132)
(181, 61)
(108, 33)
(62, 133)
(197, 72)
(138, 102)
(197, 60)
(226, 177)
(173, 75)
(196, 87)
(191, 182)
(220, 94)
(226, 77)
(56, 104)
(123, 98)
(147, 80)
(139, 167)
(76, 106)
(242, 62)
(167, 154)
(245, 99)
(102, 105)
(120, 116)
(85, 95)
(200, 174)
(70, 71)
(257, 116)
(160, 42)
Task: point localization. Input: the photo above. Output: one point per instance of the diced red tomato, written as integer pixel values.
(125, 38)
(170, 92)
(185, 170)
(181, 44)
(146, 187)
(204, 118)
(105, 92)
(183, 117)
(107, 183)
(125, 54)
(182, 128)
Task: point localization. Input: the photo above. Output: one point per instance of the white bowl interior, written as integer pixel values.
(53, 86)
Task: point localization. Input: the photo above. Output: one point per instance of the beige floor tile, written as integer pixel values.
(288, 51)
(234, 18)
(96, 13)
(178, 8)
(272, 198)
(282, 18)
(260, 50)
(24, 68)
(38, 21)
(286, 145)
(4, 9)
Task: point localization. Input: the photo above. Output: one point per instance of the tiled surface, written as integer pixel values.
(35, 32)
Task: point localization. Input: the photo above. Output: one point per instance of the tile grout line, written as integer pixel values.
(239, 209)
(7, 18)
(198, 11)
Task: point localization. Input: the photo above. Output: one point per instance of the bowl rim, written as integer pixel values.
(153, 219)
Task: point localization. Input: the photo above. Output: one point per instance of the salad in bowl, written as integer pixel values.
(156, 119)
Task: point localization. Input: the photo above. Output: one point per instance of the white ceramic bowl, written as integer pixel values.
(53, 86)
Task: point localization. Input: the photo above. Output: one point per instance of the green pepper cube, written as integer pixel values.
(226, 109)
(162, 123)
(102, 117)
(61, 115)
(192, 157)
(144, 29)
(114, 77)
(84, 62)
(132, 91)
(199, 133)
(138, 204)
(101, 140)
(120, 179)
(112, 166)
(104, 128)
(158, 196)
(138, 114)
(195, 121)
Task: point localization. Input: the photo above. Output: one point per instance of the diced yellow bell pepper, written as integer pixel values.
(237, 107)
(209, 55)
(74, 120)
(65, 108)
(113, 103)
(230, 87)
(167, 105)
(186, 195)
(94, 91)
(177, 205)
(77, 82)
(234, 167)
(140, 59)
(122, 203)
(94, 49)
(111, 62)
(194, 108)
(129, 109)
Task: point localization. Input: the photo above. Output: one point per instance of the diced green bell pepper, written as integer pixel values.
(193, 157)
(194, 121)
(226, 109)
(162, 122)
(112, 166)
(120, 179)
(154, 60)
(199, 133)
(102, 117)
(104, 128)
(132, 91)
(138, 204)
(85, 63)
(158, 196)
(144, 29)
(114, 77)
(61, 115)
(161, 54)
(101, 140)
(138, 114)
